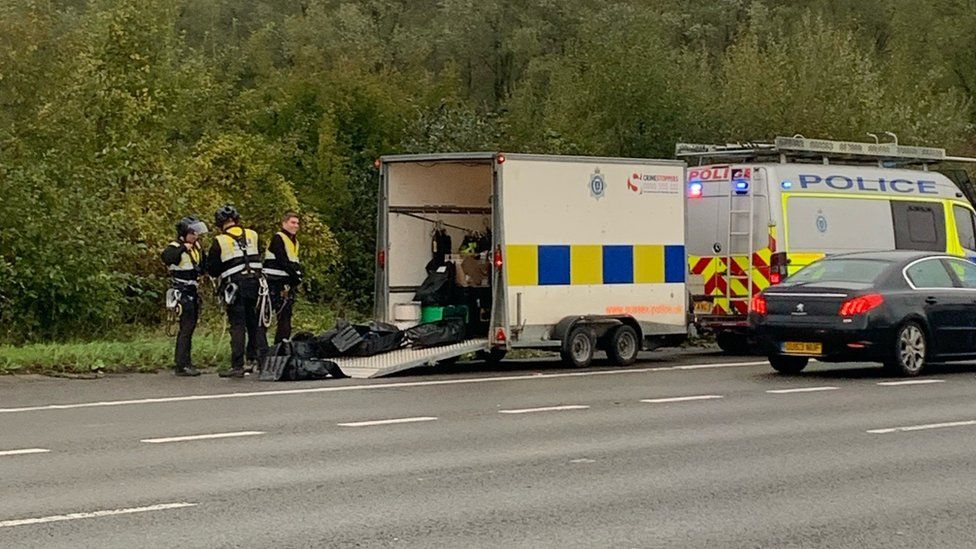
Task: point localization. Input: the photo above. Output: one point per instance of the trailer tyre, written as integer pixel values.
(494, 356)
(623, 345)
(578, 347)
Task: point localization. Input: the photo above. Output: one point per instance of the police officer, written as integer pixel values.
(284, 273)
(235, 260)
(184, 257)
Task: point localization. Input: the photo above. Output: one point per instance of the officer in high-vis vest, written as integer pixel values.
(284, 273)
(235, 261)
(185, 260)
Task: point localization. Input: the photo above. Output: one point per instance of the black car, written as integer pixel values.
(900, 308)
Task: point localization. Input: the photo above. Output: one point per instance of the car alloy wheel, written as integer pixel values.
(910, 350)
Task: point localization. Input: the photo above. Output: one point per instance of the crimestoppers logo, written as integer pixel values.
(648, 183)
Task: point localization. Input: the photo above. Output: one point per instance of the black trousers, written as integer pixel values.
(247, 336)
(283, 308)
(190, 301)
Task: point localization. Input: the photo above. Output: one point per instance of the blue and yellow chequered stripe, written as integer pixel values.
(581, 264)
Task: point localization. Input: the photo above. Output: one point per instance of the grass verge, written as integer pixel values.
(142, 351)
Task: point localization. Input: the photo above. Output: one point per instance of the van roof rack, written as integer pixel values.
(801, 149)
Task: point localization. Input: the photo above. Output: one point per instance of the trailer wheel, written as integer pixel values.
(493, 356)
(578, 347)
(623, 346)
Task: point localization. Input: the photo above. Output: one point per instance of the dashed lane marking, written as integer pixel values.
(545, 409)
(925, 427)
(680, 399)
(95, 514)
(24, 451)
(800, 390)
(202, 437)
(387, 421)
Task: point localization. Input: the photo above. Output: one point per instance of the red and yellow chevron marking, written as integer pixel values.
(715, 270)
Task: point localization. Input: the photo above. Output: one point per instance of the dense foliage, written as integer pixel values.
(117, 117)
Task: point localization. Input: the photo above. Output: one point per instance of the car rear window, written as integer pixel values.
(840, 270)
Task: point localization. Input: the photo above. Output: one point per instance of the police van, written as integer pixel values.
(757, 213)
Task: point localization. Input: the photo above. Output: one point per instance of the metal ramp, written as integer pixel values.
(404, 359)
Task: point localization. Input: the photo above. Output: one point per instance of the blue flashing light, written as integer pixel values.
(695, 190)
(787, 185)
(741, 187)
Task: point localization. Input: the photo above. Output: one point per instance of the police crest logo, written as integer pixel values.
(598, 185)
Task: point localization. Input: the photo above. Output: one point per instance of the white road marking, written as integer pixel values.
(24, 451)
(386, 421)
(800, 390)
(923, 427)
(680, 399)
(910, 382)
(312, 390)
(582, 460)
(95, 514)
(202, 437)
(545, 409)
(712, 366)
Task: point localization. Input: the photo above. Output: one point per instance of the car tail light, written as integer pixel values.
(758, 304)
(777, 267)
(860, 304)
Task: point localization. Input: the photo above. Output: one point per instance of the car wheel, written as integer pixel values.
(733, 344)
(788, 364)
(623, 345)
(911, 349)
(578, 347)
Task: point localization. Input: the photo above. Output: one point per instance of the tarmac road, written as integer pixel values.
(686, 449)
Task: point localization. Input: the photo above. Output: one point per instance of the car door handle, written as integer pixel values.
(931, 300)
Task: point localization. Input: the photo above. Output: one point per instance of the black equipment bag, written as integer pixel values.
(439, 288)
(433, 334)
(339, 340)
(315, 369)
(277, 364)
(379, 341)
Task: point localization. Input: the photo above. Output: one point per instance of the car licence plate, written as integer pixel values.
(802, 348)
(703, 307)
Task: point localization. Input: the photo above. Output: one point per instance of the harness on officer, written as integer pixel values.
(230, 289)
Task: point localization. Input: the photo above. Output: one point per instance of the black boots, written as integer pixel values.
(187, 372)
(233, 372)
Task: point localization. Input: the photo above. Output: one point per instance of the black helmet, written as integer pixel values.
(190, 224)
(224, 214)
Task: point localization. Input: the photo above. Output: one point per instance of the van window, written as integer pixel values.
(929, 273)
(965, 226)
(839, 270)
(919, 226)
(708, 224)
(837, 225)
(965, 271)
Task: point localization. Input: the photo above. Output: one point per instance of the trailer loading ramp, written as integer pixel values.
(404, 359)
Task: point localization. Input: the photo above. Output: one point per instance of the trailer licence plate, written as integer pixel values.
(703, 307)
(802, 348)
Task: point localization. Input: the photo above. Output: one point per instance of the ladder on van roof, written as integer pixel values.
(800, 149)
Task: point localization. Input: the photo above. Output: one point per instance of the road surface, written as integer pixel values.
(691, 449)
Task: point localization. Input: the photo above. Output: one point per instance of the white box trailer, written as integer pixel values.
(586, 253)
